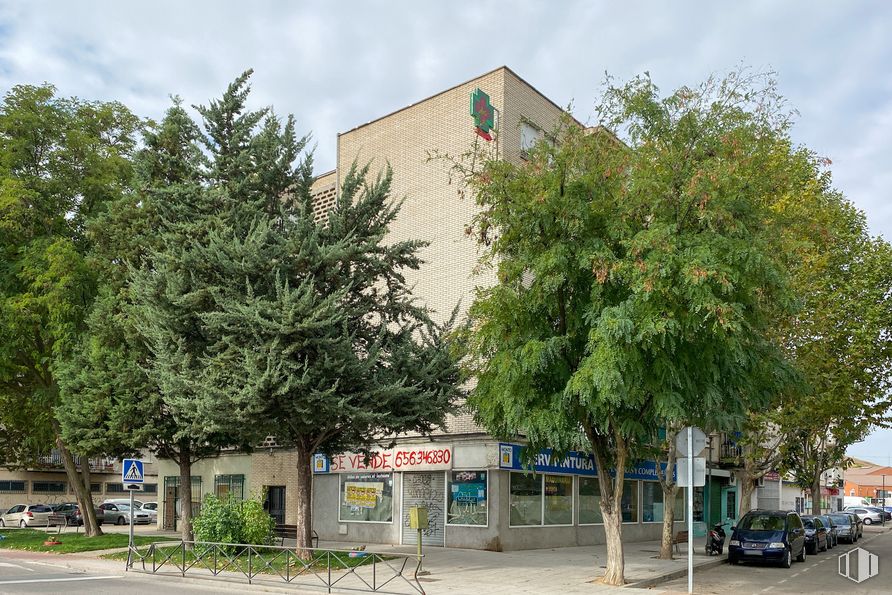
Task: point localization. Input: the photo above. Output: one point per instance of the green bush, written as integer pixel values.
(231, 520)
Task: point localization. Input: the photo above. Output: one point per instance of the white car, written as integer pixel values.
(868, 516)
(119, 514)
(26, 515)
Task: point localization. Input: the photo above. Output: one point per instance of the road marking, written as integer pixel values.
(58, 580)
(783, 581)
(766, 589)
(795, 575)
(8, 565)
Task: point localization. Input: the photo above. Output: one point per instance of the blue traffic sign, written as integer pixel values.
(131, 471)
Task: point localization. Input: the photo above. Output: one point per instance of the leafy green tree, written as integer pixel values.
(62, 161)
(636, 281)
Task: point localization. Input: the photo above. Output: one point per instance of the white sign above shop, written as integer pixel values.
(423, 457)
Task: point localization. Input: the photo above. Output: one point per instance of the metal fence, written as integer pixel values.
(346, 569)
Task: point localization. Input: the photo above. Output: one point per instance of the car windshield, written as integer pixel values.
(841, 519)
(123, 506)
(762, 522)
(41, 508)
(809, 524)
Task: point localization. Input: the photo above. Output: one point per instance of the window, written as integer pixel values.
(652, 506)
(96, 488)
(558, 499)
(589, 501)
(174, 482)
(11, 486)
(226, 485)
(115, 488)
(529, 136)
(629, 503)
(467, 498)
(699, 500)
(48, 487)
(366, 497)
(150, 488)
(526, 500)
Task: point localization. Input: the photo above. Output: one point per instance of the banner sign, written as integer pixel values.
(424, 457)
(362, 494)
(573, 463)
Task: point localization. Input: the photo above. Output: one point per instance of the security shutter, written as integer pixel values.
(428, 490)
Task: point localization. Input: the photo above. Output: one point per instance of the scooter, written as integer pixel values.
(715, 541)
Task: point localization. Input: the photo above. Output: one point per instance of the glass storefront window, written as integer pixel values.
(526, 500)
(652, 503)
(467, 498)
(589, 501)
(558, 500)
(629, 503)
(366, 497)
(698, 504)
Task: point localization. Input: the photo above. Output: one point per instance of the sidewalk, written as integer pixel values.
(554, 570)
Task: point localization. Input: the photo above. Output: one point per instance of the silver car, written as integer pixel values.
(119, 514)
(26, 515)
(868, 516)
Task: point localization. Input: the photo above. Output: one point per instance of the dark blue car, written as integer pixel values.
(774, 536)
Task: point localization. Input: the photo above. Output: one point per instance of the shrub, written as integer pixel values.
(231, 520)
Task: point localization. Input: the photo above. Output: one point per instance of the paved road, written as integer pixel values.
(29, 576)
(819, 574)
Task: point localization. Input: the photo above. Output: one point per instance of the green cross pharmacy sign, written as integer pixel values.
(483, 113)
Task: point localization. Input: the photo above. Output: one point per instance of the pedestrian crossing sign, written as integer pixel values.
(131, 471)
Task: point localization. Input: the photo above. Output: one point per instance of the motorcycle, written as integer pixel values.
(715, 541)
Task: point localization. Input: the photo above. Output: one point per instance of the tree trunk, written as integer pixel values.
(82, 495)
(611, 504)
(304, 518)
(613, 531)
(88, 512)
(668, 523)
(185, 490)
(816, 494)
(745, 481)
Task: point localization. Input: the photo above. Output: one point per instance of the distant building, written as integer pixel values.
(867, 480)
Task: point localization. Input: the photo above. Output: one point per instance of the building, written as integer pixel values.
(867, 480)
(473, 487)
(47, 483)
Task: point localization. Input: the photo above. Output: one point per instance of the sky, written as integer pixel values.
(336, 65)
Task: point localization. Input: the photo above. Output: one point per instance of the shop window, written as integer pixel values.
(558, 499)
(526, 500)
(48, 487)
(229, 485)
(629, 503)
(652, 505)
(467, 498)
(589, 501)
(11, 486)
(366, 497)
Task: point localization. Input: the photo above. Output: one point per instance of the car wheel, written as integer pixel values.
(120, 520)
(826, 546)
(788, 559)
(2, 524)
(802, 554)
(23, 525)
(733, 561)
(867, 521)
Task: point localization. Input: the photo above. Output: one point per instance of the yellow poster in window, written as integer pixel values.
(362, 494)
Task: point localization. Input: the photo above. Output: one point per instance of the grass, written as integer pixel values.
(71, 543)
(269, 555)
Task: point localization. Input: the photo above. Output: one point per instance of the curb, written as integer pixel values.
(671, 576)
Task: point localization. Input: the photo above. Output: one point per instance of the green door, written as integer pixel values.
(729, 504)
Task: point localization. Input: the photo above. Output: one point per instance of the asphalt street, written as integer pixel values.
(30, 576)
(818, 574)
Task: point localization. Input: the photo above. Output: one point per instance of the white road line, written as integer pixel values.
(783, 581)
(795, 575)
(8, 565)
(57, 580)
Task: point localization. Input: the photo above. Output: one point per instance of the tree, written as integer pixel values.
(666, 450)
(62, 161)
(635, 280)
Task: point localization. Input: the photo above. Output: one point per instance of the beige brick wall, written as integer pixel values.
(433, 210)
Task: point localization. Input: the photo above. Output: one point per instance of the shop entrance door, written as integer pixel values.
(275, 497)
(428, 490)
(729, 504)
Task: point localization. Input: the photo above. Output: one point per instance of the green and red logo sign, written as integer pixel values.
(483, 113)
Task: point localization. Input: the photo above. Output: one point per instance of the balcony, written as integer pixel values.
(729, 451)
(54, 461)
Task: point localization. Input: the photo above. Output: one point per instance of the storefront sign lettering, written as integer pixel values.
(404, 458)
(573, 463)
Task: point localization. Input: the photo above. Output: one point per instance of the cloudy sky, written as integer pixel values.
(335, 65)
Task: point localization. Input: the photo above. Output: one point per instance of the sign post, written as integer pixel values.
(132, 477)
(691, 441)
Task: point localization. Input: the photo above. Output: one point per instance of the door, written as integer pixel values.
(729, 504)
(428, 490)
(170, 508)
(275, 498)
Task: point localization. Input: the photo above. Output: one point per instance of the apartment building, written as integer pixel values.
(475, 491)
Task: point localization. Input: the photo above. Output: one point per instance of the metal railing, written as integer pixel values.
(54, 460)
(361, 571)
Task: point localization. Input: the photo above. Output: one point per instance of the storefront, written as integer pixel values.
(478, 495)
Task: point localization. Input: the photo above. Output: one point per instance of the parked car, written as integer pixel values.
(768, 536)
(832, 532)
(153, 512)
(868, 517)
(72, 512)
(859, 523)
(881, 512)
(815, 534)
(150, 506)
(26, 515)
(846, 527)
(119, 514)
(136, 502)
